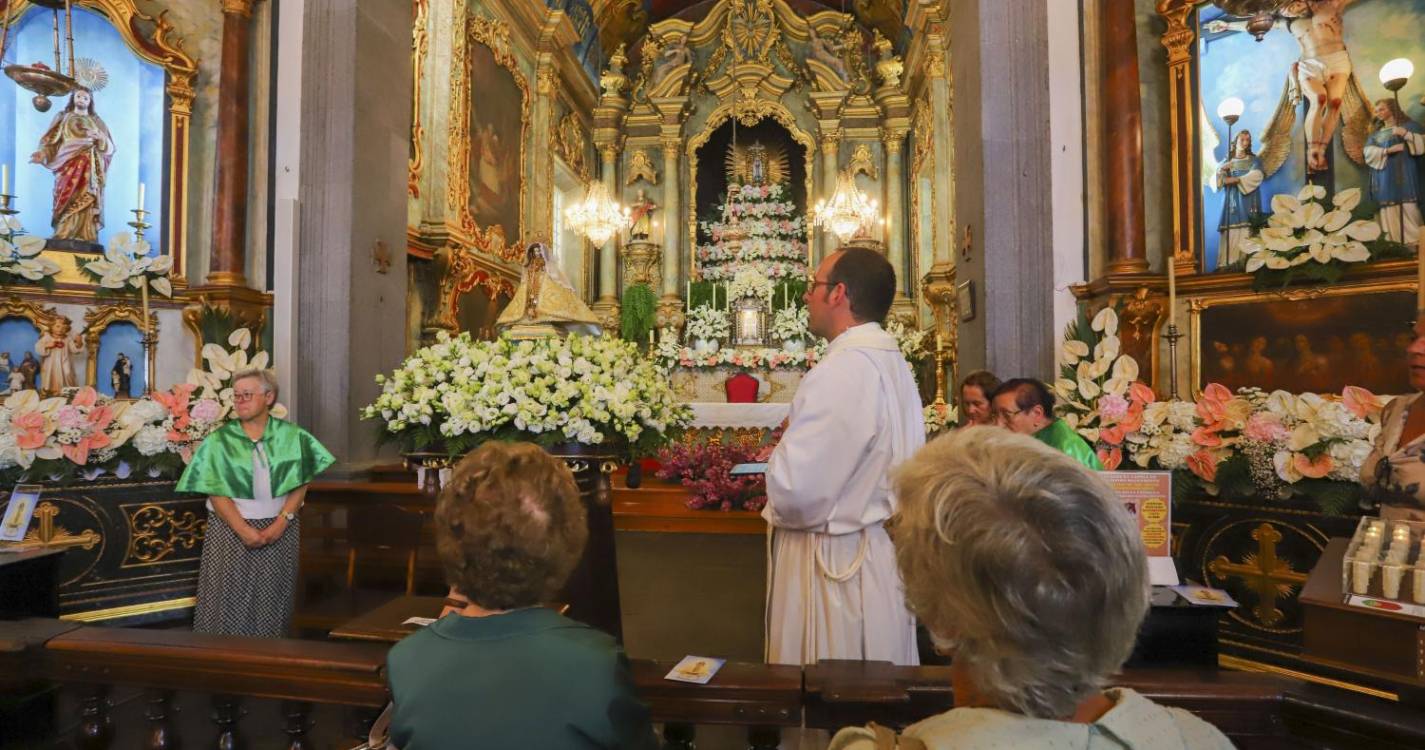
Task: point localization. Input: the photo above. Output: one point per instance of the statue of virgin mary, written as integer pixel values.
(545, 303)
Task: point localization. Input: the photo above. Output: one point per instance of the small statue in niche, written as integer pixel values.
(642, 214)
(56, 348)
(121, 377)
(4, 368)
(28, 370)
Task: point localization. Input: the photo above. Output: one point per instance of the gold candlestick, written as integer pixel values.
(939, 369)
(145, 335)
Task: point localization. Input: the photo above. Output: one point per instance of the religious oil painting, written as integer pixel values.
(1316, 345)
(1298, 95)
(120, 368)
(19, 364)
(496, 112)
(75, 161)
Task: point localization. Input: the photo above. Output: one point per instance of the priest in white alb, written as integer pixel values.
(833, 591)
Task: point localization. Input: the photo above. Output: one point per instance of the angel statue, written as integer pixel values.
(1240, 175)
(77, 147)
(545, 303)
(1393, 155)
(1322, 75)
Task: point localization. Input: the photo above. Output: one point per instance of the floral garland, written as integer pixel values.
(675, 355)
(458, 393)
(768, 239)
(1244, 446)
(782, 270)
(85, 435)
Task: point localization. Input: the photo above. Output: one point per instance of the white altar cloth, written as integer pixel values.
(738, 416)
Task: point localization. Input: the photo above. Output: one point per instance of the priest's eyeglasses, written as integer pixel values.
(245, 396)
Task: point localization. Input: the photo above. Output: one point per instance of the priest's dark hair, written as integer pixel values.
(1028, 393)
(509, 526)
(870, 282)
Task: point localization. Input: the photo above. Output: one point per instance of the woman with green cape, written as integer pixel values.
(254, 470)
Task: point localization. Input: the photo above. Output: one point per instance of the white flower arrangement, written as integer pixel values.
(19, 254)
(1300, 230)
(910, 340)
(742, 358)
(708, 322)
(749, 283)
(458, 393)
(127, 264)
(790, 323)
(939, 418)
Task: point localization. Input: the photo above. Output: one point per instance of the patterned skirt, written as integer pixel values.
(245, 591)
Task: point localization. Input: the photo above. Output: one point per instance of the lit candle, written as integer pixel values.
(140, 196)
(651, 340)
(688, 300)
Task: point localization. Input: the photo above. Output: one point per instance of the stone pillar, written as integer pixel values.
(608, 256)
(895, 208)
(229, 247)
(542, 178)
(339, 143)
(830, 168)
(1122, 141)
(672, 218)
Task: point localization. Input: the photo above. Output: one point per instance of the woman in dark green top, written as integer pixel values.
(504, 672)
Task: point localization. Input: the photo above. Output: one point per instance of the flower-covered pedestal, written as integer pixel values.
(592, 402)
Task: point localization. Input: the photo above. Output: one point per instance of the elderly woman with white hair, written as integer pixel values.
(1026, 569)
(254, 470)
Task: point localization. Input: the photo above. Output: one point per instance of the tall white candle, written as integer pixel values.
(4, 179)
(140, 196)
(688, 304)
(1172, 291)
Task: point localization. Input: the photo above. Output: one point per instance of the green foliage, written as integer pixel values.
(13, 279)
(637, 315)
(1234, 478)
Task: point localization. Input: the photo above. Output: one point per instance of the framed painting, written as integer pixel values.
(491, 128)
(78, 160)
(1263, 103)
(1316, 341)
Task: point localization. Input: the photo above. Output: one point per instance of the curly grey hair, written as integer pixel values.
(268, 378)
(1024, 562)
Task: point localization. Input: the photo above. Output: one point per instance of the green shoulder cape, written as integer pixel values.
(1061, 436)
(222, 465)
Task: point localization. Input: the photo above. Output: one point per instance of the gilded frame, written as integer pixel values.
(164, 49)
(1178, 39)
(98, 319)
(494, 35)
(1295, 294)
(749, 112)
(922, 156)
(420, 48)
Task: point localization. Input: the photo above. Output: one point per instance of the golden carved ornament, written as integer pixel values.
(641, 262)
(572, 144)
(238, 7)
(935, 63)
(420, 48)
(461, 270)
(43, 318)
(491, 240)
(640, 166)
(545, 80)
(49, 535)
(862, 163)
(159, 531)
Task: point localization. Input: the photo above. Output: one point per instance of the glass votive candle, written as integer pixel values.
(1361, 575)
(1390, 576)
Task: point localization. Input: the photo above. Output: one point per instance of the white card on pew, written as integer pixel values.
(420, 621)
(695, 669)
(757, 468)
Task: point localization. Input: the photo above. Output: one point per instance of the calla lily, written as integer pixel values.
(1347, 199)
(1088, 388)
(1111, 458)
(1313, 468)
(1126, 368)
(1277, 263)
(1285, 467)
(240, 338)
(1300, 260)
(1312, 215)
(1335, 220)
(1310, 192)
(1303, 437)
(1283, 203)
(1100, 368)
(1255, 262)
(1204, 465)
(1279, 240)
(1116, 386)
(259, 361)
(1106, 321)
(1363, 231)
(1360, 401)
(1351, 252)
(1073, 351)
(28, 246)
(1250, 245)
(1106, 348)
(1065, 388)
(1320, 253)
(162, 286)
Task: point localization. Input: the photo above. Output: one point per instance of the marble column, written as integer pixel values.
(672, 219)
(229, 246)
(608, 255)
(830, 169)
(542, 132)
(1122, 126)
(895, 207)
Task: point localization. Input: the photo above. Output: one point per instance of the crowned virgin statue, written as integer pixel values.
(77, 148)
(545, 303)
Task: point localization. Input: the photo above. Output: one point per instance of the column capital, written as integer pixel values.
(893, 139)
(238, 7)
(545, 80)
(671, 146)
(935, 63)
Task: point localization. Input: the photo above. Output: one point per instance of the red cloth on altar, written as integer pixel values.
(742, 389)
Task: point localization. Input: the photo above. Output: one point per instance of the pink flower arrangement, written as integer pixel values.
(706, 471)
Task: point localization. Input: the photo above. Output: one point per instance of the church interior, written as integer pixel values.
(727, 265)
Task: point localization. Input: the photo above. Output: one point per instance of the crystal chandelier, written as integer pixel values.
(597, 216)
(849, 212)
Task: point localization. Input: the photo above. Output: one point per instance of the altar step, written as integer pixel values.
(663, 506)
